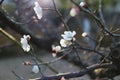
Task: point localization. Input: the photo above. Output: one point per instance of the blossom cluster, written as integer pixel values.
(67, 39)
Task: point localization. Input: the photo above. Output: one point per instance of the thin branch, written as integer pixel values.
(18, 76)
(40, 61)
(99, 41)
(100, 11)
(78, 74)
(9, 36)
(52, 61)
(79, 59)
(60, 15)
(88, 49)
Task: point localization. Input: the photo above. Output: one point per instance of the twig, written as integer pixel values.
(79, 60)
(55, 60)
(40, 60)
(19, 77)
(52, 61)
(60, 15)
(100, 11)
(99, 41)
(80, 73)
(88, 49)
(9, 36)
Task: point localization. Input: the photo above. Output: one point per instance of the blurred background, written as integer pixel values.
(50, 27)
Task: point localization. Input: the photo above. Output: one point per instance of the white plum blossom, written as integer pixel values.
(25, 43)
(38, 10)
(54, 54)
(85, 34)
(73, 12)
(68, 35)
(55, 50)
(62, 78)
(65, 43)
(68, 38)
(35, 69)
(83, 4)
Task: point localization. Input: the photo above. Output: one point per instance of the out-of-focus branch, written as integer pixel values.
(7, 21)
(60, 15)
(78, 74)
(9, 36)
(100, 38)
(88, 49)
(18, 76)
(100, 11)
(1, 2)
(79, 59)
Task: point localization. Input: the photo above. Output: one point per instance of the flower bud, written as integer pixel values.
(55, 50)
(62, 78)
(83, 4)
(27, 63)
(54, 54)
(85, 34)
(74, 11)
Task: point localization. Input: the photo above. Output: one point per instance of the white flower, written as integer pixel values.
(24, 43)
(54, 54)
(73, 12)
(65, 43)
(62, 78)
(35, 69)
(68, 35)
(38, 10)
(85, 34)
(55, 50)
(83, 4)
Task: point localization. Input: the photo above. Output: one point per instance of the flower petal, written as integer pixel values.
(38, 10)
(24, 43)
(65, 43)
(35, 69)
